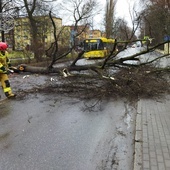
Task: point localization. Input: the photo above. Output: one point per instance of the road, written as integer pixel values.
(42, 131)
(52, 132)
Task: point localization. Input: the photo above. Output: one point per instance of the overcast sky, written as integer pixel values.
(122, 10)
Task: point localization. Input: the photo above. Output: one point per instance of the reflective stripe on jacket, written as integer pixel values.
(4, 62)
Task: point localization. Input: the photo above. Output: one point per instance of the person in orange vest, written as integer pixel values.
(4, 70)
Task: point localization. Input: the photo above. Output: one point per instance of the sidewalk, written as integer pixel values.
(152, 140)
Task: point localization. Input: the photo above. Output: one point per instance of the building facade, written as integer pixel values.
(20, 37)
(22, 31)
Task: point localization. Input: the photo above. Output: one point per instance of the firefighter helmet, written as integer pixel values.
(3, 46)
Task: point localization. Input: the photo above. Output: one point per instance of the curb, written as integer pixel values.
(138, 139)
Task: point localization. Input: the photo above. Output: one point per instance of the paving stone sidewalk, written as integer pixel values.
(152, 140)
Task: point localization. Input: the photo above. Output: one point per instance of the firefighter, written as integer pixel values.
(4, 70)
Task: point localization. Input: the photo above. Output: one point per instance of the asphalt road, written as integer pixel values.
(51, 132)
(42, 131)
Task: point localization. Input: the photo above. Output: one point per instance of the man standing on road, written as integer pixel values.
(4, 70)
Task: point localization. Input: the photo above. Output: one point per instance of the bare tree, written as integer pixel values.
(156, 20)
(32, 9)
(121, 30)
(109, 17)
(81, 11)
(7, 8)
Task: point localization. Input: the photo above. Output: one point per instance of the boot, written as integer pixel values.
(11, 96)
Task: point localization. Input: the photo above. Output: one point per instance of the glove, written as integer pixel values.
(3, 69)
(14, 69)
(10, 71)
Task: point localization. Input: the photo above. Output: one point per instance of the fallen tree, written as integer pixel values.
(116, 79)
(112, 76)
(111, 61)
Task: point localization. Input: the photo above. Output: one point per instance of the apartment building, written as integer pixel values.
(20, 37)
(22, 33)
